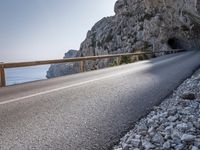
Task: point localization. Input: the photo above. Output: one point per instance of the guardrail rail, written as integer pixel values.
(82, 60)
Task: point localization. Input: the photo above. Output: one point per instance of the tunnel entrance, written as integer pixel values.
(174, 43)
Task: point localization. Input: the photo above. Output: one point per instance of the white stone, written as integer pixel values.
(188, 138)
(166, 145)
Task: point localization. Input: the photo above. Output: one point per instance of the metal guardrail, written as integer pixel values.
(82, 60)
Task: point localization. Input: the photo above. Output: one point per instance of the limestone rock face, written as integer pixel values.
(153, 25)
(57, 70)
(144, 24)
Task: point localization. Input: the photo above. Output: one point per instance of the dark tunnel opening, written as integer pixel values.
(174, 43)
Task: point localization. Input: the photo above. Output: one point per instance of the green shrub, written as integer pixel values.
(113, 63)
(125, 60)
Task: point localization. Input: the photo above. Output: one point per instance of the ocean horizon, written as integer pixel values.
(25, 74)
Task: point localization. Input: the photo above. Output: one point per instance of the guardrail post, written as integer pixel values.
(118, 60)
(2, 76)
(96, 65)
(142, 56)
(137, 57)
(82, 66)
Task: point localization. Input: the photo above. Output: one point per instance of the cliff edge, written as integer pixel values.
(57, 70)
(143, 24)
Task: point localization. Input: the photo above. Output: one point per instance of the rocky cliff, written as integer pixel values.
(144, 24)
(57, 70)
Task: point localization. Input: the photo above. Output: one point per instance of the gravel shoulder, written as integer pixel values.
(174, 124)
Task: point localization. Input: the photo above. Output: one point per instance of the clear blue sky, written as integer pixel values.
(46, 29)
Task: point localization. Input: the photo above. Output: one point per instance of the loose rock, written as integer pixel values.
(175, 124)
(158, 139)
(136, 142)
(187, 138)
(166, 145)
(188, 96)
(147, 145)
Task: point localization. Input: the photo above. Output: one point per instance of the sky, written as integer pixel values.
(46, 29)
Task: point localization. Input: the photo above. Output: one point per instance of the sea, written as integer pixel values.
(25, 74)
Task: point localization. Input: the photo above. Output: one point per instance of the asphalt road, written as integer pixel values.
(90, 110)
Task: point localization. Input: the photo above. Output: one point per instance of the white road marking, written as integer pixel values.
(82, 83)
(65, 87)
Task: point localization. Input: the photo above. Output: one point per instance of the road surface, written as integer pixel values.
(89, 110)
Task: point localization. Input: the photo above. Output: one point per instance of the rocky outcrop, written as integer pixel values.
(145, 25)
(57, 70)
